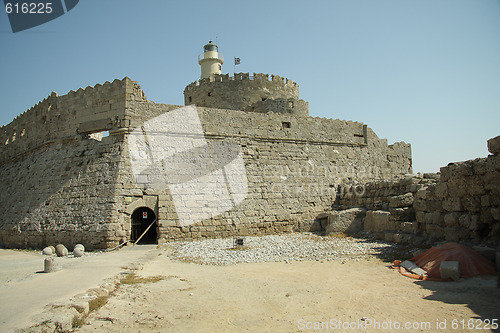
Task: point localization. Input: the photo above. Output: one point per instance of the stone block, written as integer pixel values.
(449, 269)
(451, 219)
(399, 201)
(402, 214)
(376, 220)
(347, 221)
(409, 227)
(451, 234)
(452, 205)
(494, 145)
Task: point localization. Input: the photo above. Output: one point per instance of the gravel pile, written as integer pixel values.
(276, 248)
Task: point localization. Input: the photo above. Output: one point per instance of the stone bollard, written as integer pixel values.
(61, 250)
(50, 265)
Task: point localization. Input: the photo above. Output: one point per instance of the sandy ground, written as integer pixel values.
(280, 297)
(271, 297)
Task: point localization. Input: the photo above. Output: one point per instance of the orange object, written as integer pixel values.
(470, 262)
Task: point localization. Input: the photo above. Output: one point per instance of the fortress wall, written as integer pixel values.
(292, 106)
(89, 110)
(62, 193)
(58, 178)
(293, 172)
(239, 92)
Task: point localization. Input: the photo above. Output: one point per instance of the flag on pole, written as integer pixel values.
(237, 61)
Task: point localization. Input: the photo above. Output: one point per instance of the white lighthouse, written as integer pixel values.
(210, 60)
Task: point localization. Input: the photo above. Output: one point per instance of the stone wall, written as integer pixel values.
(465, 203)
(76, 114)
(64, 183)
(462, 203)
(58, 173)
(293, 171)
(243, 91)
(62, 193)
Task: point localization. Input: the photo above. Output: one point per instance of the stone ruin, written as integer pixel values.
(68, 177)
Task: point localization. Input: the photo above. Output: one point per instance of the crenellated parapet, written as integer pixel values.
(241, 91)
(98, 108)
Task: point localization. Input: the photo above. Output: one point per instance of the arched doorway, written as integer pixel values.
(142, 217)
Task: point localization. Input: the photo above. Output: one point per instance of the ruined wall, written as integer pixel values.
(462, 203)
(58, 182)
(242, 91)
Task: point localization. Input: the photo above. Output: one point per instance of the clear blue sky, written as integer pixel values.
(420, 71)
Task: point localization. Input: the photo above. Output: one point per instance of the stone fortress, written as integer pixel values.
(67, 177)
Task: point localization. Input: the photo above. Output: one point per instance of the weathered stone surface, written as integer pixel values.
(348, 221)
(494, 145)
(47, 251)
(78, 252)
(80, 246)
(51, 265)
(376, 220)
(449, 269)
(61, 250)
(399, 201)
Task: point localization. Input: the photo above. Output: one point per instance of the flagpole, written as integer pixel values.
(234, 72)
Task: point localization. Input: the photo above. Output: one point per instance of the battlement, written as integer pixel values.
(256, 77)
(240, 91)
(96, 108)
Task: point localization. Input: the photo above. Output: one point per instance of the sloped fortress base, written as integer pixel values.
(65, 180)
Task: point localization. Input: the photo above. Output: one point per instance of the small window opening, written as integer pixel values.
(99, 135)
(209, 93)
(190, 99)
(285, 124)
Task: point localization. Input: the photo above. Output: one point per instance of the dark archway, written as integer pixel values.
(142, 217)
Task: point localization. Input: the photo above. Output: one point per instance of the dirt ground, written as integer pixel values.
(314, 296)
(295, 297)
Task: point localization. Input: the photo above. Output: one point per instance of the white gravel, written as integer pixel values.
(276, 248)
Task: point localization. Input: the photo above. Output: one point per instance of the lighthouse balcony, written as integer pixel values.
(210, 55)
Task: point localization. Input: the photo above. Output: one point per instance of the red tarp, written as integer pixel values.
(470, 262)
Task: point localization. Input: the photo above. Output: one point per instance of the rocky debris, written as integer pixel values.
(494, 145)
(275, 248)
(61, 250)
